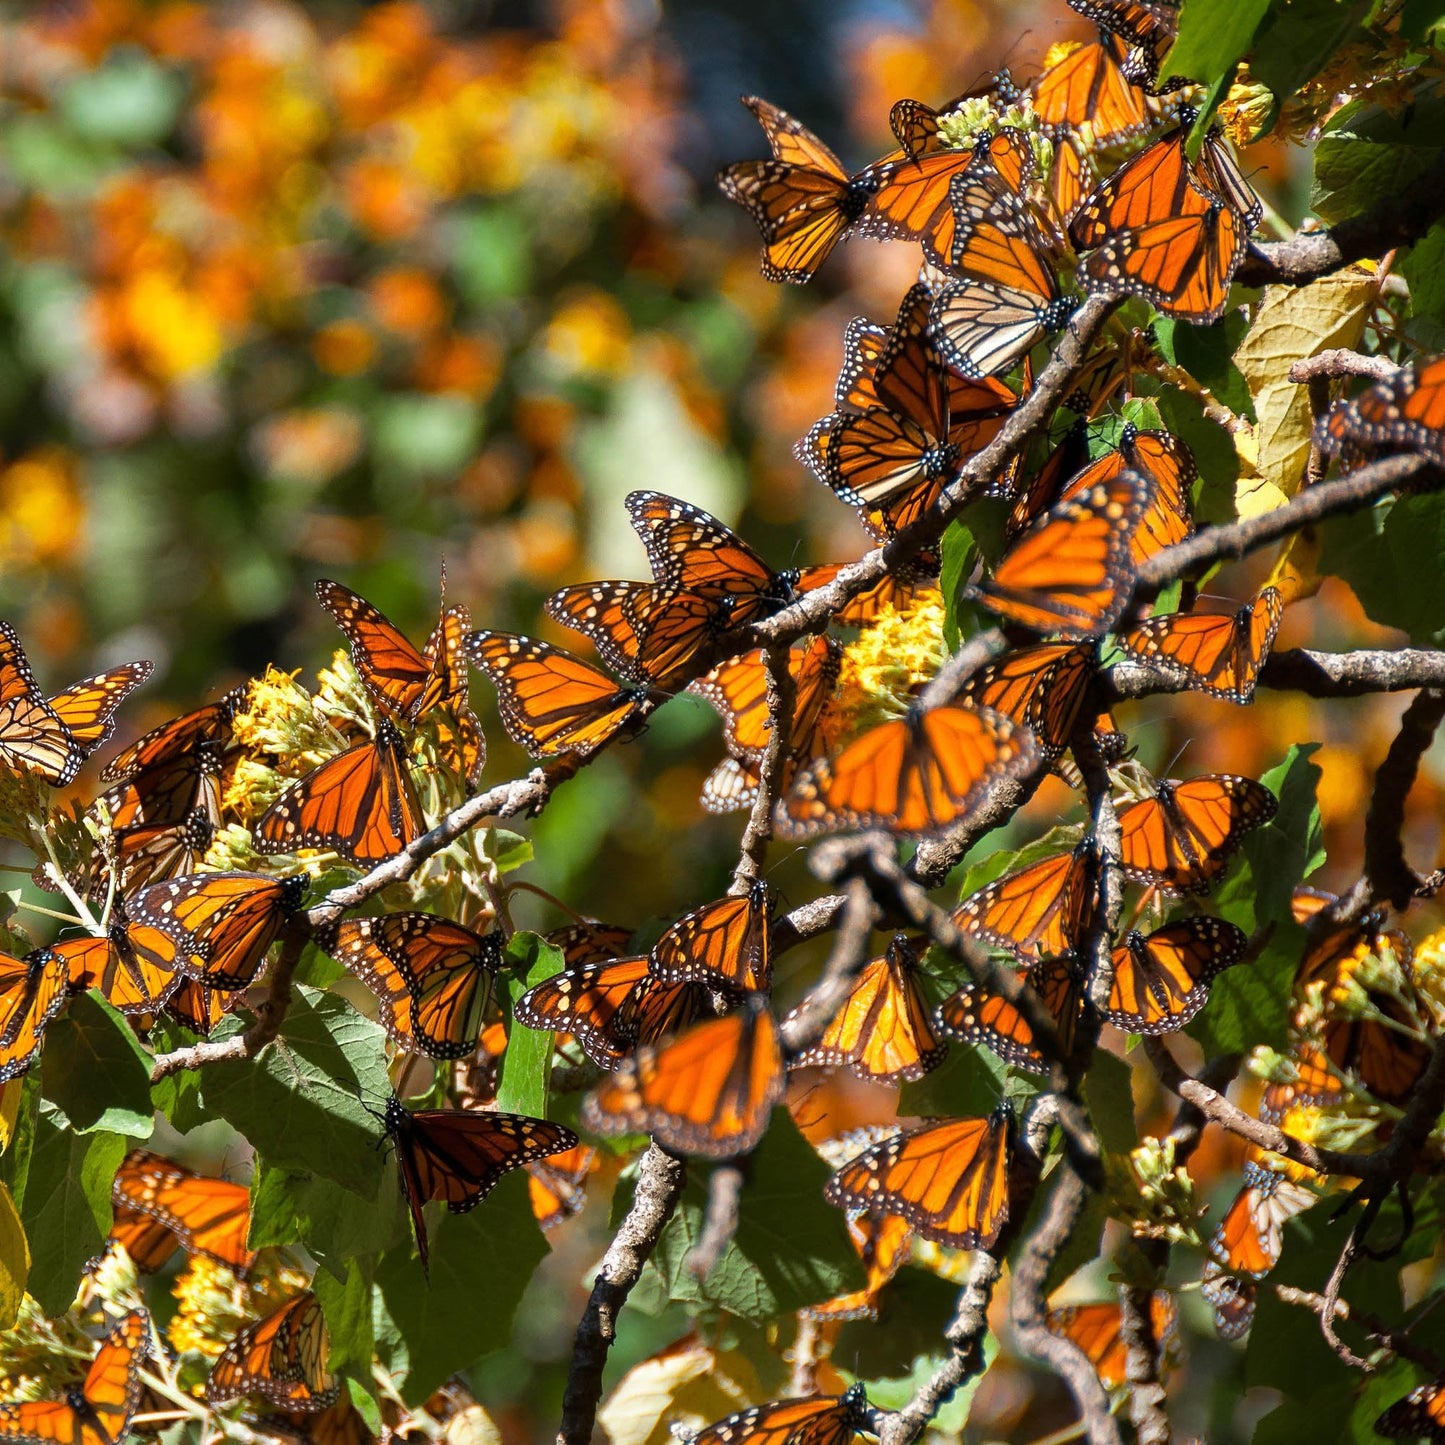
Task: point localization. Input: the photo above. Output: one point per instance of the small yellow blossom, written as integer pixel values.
(1157, 1195)
(890, 662)
(213, 1304)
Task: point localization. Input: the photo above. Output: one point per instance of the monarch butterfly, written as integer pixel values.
(708, 1091)
(551, 702)
(1037, 912)
(432, 978)
(88, 708)
(1248, 1242)
(644, 633)
(405, 682)
(1071, 572)
(1336, 953)
(282, 1357)
(917, 126)
(32, 993)
(457, 1155)
(949, 1180)
(209, 1217)
(151, 852)
(360, 805)
(882, 1031)
(1421, 1413)
(557, 1187)
(974, 1016)
(198, 1006)
(738, 689)
(1070, 180)
(147, 1244)
(883, 1242)
(913, 775)
(1148, 27)
(897, 588)
(213, 928)
(613, 1006)
(1156, 454)
(339, 1424)
(895, 457)
(1156, 229)
(588, 941)
(172, 746)
(1384, 1051)
(802, 200)
(32, 736)
(109, 964)
(1181, 840)
(1007, 296)
(722, 944)
(1087, 88)
(100, 1411)
(816, 1420)
(689, 549)
(1162, 981)
(1315, 1084)
(1214, 654)
(1407, 411)
(1097, 1329)
(732, 785)
(1040, 687)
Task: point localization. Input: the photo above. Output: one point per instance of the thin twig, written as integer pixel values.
(809, 1021)
(1330, 1307)
(1397, 1341)
(1339, 362)
(720, 1220)
(660, 1178)
(1316, 674)
(1390, 876)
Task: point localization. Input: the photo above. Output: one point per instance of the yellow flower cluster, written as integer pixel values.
(891, 662)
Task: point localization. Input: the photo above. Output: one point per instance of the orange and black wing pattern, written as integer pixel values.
(100, 1411)
(209, 1217)
(1040, 687)
(1088, 88)
(708, 1091)
(281, 1357)
(1181, 840)
(914, 775)
(643, 632)
(1097, 1330)
(1161, 981)
(88, 708)
(1217, 654)
(1420, 1415)
(813, 1420)
(973, 1015)
(33, 991)
(33, 738)
(551, 702)
(1037, 912)
(738, 690)
(722, 944)
(949, 1180)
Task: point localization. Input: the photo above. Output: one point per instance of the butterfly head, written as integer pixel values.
(855, 1400)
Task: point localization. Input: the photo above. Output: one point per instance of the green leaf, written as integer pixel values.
(526, 1068)
(308, 1102)
(913, 1313)
(1250, 1003)
(1291, 845)
(968, 1083)
(1298, 39)
(65, 1204)
(1390, 1382)
(791, 1248)
(1214, 454)
(1213, 36)
(129, 101)
(480, 1265)
(296, 1205)
(1109, 1094)
(1423, 266)
(959, 552)
(507, 850)
(1207, 354)
(95, 1070)
(894, 1394)
(1419, 17)
(14, 1259)
(1367, 154)
(178, 1095)
(346, 1303)
(1385, 554)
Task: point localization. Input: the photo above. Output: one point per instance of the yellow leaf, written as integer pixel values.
(687, 1384)
(1294, 322)
(10, 1093)
(14, 1259)
(1294, 571)
(472, 1426)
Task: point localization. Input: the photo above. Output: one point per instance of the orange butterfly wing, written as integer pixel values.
(32, 736)
(209, 1217)
(724, 944)
(1096, 1330)
(1162, 981)
(708, 1091)
(1088, 88)
(281, 1357)
(948, 1180)
(1182, 839)
(32, 993)
(88, 707)
(974, 1016)
(1035, 913)
(1218, 655)
(1041, 687)
(816, 1420)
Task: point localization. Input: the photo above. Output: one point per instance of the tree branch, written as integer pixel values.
(1390, 875)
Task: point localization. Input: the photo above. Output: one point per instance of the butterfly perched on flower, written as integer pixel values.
(432, 978)
(281, 1357)
(611, 1007)
(1097, 1330)
(1086, 88)
(913, 775)
(813, 1420)
(33, 991)
(458, 1155)
(213, 928)
(883, 1031)
(1037, 912)
(99, 1412)
(1215, 653)
(708, 1091)
(949, 1179)
(1181, 839)
(33, 738)
(551, 702)
(359, 804)
(209, 1217)
(724, 944)
(1167, 229)
(1071, 572)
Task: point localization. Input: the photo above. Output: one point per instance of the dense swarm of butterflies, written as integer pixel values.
(1006, 193)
